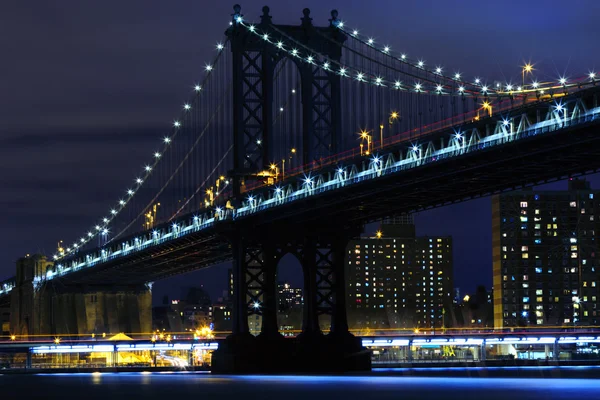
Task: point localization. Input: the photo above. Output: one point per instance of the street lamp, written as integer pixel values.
(365, 135)
(527, 68)
(487, 106)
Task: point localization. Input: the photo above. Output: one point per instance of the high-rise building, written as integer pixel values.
(545, 257)
(288, 297)
(290, 308)
(398, 280)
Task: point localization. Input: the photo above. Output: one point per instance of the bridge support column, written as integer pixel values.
(310, 322)
(269, 328)
(322, 258)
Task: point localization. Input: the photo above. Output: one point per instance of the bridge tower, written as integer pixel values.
(254, 62)
(320, 247)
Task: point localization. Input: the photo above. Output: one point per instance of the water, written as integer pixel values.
(172, 386)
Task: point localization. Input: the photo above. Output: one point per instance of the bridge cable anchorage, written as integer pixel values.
(148, 169)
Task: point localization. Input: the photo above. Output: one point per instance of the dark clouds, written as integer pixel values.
(88, 88)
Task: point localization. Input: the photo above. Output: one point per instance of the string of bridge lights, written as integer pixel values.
(101, 228)
(508, 88)
(346, 71)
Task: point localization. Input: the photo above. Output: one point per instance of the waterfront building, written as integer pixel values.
(398, 280)
(545, 257)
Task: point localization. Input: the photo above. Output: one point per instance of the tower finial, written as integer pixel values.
(306, 20)
(334, 18)
(265, 19)
(237, 16)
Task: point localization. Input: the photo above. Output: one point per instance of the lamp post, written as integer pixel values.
(527, 68)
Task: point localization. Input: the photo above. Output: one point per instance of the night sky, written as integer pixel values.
(88, 88)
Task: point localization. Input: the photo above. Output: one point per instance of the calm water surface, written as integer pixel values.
(171, 386)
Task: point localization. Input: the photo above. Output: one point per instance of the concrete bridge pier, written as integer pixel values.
(53, 307)
(255, 267)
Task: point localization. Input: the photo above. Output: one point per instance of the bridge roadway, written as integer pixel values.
(528, 145)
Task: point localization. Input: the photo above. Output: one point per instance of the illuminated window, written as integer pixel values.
(524, 248)
(525, 299)
(525, 255)
(573, 204)
(523, 204)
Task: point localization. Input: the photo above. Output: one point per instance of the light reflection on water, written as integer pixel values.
(173, 386)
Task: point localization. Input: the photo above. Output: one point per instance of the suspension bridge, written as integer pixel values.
(294, 138)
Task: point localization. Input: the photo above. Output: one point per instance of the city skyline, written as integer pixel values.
(59, 207)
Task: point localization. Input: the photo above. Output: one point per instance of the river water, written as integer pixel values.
(194, 386)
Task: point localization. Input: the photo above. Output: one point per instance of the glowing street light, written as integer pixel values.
(487, 106)
(378, 234)
(527, 68)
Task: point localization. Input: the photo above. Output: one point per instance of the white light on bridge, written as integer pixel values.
(176, 124)
(403, 56)
(130, 192)
(148, 168)
(370, 41)
(438, 70)
(280, 44)
(197, 88)
(265, 36)
(355, 32)
(421, 64)
(386, 49)
(122, 202)
(208, 67)
(219, 46)
(535, 84)
(457, 76)
(157, 154)
(186, 106)
(139, 181)
(563, 81)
